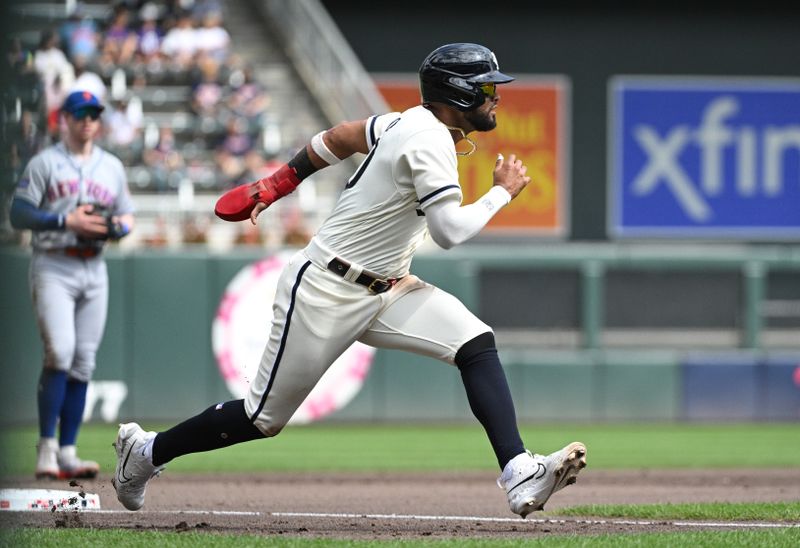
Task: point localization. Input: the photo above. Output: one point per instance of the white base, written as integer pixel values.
(47, 499)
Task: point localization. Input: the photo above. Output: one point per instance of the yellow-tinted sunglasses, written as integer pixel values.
(489, 89)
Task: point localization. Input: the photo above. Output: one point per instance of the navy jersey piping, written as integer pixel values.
(285, 335)
(372, 130)
(437, 191)
(363, 167)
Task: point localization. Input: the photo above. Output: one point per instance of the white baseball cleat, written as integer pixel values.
(71, 466)
(133, 469)
(529, 480)
(47, 459)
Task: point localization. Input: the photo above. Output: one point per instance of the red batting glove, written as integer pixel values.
(238, 203)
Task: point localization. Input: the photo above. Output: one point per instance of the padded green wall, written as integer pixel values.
(158, 341)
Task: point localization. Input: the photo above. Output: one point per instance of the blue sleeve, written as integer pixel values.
(24, 214)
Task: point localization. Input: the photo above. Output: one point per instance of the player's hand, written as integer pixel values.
(83, 222)
(510, 174)
(259, 207)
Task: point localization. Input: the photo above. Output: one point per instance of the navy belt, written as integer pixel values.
(373, 282)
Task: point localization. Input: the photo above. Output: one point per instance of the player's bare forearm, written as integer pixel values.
(324, 149)
(342, 141)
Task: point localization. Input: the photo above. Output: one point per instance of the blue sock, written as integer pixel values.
(50, 399)
(72, 411)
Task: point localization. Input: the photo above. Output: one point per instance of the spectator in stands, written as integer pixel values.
(80, 36)
(248, 97)
(255, 168)
(172, 9)
(249, 234)
(207, 94)
(51, 62)
(164, 160)
(57, 76)
(87, 80)
(194, 230)
(18, 59)
(119, 40)
(200, 8)
(124, 122)
(158, 236)
(180, 42)
(232, 149)
(212, 39)
(149, 37)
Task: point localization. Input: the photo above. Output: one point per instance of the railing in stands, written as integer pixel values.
(324, 60)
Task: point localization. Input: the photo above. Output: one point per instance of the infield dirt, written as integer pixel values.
(399, 505)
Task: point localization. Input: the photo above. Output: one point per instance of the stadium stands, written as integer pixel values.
(194, 108)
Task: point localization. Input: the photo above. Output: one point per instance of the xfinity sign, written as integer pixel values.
(704, 158)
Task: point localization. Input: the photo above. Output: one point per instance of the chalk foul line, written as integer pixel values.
(536, 520)
(412, 517)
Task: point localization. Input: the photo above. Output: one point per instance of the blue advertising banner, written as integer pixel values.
(693, 157)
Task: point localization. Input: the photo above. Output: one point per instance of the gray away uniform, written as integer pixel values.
(68, 278)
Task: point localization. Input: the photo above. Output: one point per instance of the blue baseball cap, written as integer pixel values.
(81, 100)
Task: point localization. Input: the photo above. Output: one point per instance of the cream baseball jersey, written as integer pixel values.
(379, 219)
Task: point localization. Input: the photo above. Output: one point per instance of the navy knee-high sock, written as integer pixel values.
(218, 426)
(72, 411)
(489, 396)
(50, 400)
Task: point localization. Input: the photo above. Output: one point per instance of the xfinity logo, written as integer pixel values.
(712, 138)
(714, 160)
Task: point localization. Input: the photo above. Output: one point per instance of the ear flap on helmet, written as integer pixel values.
(452, 74)
(453, 91)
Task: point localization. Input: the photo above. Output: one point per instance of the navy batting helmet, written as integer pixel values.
(453, 74)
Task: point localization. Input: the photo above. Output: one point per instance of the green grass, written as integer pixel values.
(449, 447)
(88, 538)
(719, 511)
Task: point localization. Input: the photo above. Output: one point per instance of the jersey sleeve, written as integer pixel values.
(432, 164)
(376, 125)
(33, 183)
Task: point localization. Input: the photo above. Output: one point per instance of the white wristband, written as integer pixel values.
(318, 145)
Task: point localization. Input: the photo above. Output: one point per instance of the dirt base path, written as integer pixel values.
(401, 505)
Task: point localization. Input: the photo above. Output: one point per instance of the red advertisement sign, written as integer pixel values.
(531, 123)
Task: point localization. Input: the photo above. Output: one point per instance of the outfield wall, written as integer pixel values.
(162, 303)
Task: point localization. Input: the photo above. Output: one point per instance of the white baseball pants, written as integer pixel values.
(318, 315)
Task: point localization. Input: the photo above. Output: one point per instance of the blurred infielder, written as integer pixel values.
(352, 282)
(74, 197)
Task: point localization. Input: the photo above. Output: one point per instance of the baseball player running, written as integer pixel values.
(74, 197)
(352, 282)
